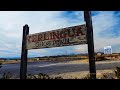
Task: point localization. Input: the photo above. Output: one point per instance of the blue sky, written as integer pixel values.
(105, 27)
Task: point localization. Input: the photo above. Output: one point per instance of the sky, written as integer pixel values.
(105, 29)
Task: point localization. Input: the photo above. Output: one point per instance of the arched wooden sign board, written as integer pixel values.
(75, 35)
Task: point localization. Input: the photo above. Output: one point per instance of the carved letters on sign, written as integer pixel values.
(56, 38)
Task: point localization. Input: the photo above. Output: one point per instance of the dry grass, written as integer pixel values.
(80, 75)
(15, 61)
(10, 61)
(78, 61)
(18, 61)
(69, 59)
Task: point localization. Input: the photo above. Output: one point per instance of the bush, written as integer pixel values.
(87, 77)
(41, 76)
(58, 77)
(7, 76)
(117, 72)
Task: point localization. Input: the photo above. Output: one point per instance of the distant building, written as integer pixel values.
(108, 50)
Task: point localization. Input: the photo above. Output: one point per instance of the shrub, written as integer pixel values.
(117, 72)
(58, 77)
(7, 76)
(87, 77)
(41, 76)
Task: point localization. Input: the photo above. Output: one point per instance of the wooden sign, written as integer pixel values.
(75, 35)
(56, 38)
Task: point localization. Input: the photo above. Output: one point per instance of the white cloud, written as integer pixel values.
(12, 22)
(38, 51)
(104, 21)
(81, 48)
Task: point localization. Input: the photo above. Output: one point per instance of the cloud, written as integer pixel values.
(81, 48)
(105, 27)
(12, 23)
(106, 31)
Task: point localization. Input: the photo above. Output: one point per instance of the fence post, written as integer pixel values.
(90, 42)
(23, 65)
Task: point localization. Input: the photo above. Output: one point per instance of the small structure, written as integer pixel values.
(108, 50)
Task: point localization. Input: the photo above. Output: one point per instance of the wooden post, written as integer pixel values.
(90, 42)
(23, 66)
